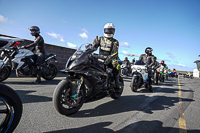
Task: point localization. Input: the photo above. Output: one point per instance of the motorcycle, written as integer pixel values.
(188, 75)
(140, 76)
(173, 74)
(10, 109)
(124, 70)
(23, 61)
(88, 80)
(161, 74)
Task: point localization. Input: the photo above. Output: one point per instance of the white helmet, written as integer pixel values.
(109, 30)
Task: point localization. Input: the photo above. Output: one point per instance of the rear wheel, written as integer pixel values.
(63, 101)
(49, 72)
(134, 83)
(4, 73)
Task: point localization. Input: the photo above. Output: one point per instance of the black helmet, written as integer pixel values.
(148, 49)
(36, 29)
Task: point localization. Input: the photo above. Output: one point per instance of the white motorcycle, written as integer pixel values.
(140, 76)
(124, 70)
(22, 61)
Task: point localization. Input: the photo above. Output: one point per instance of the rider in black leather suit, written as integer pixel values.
(149, 60)
(39, 50)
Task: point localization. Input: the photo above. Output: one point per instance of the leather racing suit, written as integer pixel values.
(39, 51)
(108, 51)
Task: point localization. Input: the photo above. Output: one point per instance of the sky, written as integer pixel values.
(170, 27)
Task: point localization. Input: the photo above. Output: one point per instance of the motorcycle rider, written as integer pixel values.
(149, 60)
(128, 64)
(163, 65)
(108, 50)
(39, 50)
(133, 61)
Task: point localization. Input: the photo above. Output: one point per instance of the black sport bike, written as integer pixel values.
(10, 109)
(88, 80)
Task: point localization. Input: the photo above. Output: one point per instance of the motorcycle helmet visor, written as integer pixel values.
(109, 31)
(149, 50)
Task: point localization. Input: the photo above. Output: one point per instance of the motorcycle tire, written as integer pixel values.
(52, 72)
(118, 92)
(5, 73)
(156, 78)
(163, 78)
(62, 97)
(122, 72)
(11, 108)
(134, 83)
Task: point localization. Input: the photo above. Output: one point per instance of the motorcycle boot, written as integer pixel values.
(117, 84)
(38, 80)
(150, 89)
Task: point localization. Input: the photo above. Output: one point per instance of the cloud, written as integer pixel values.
(124, 44)
(84, 30)
(3, 19)
(129, 54)
(170, 55)
(71, 45)
(181, 65)
(64, 21)
(56, 36)
(167, 60)
(84, 35)
(61, 38)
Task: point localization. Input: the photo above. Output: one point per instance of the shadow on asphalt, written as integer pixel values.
(130, 103)
(137, 127)
(43, 82)
(27, 97)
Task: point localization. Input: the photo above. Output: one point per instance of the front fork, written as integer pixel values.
(3, 62)
(75, 86)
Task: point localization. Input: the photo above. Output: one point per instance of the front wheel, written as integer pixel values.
(64, 102)
(4, 73)
(122, 72)
(135, 83)
(10, 109)
(155, 78)
(118, 92)
(49, 72)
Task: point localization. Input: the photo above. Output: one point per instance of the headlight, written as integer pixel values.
(133, 69)
(139, 69)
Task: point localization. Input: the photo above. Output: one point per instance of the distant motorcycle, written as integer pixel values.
(188, 75)
(173, 74)
(88, 80)
(10, 109)
(140, 76)
(124, 70)
(161, 74)
(23, 62)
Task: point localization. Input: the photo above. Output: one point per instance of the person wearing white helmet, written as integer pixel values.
(108, 50)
